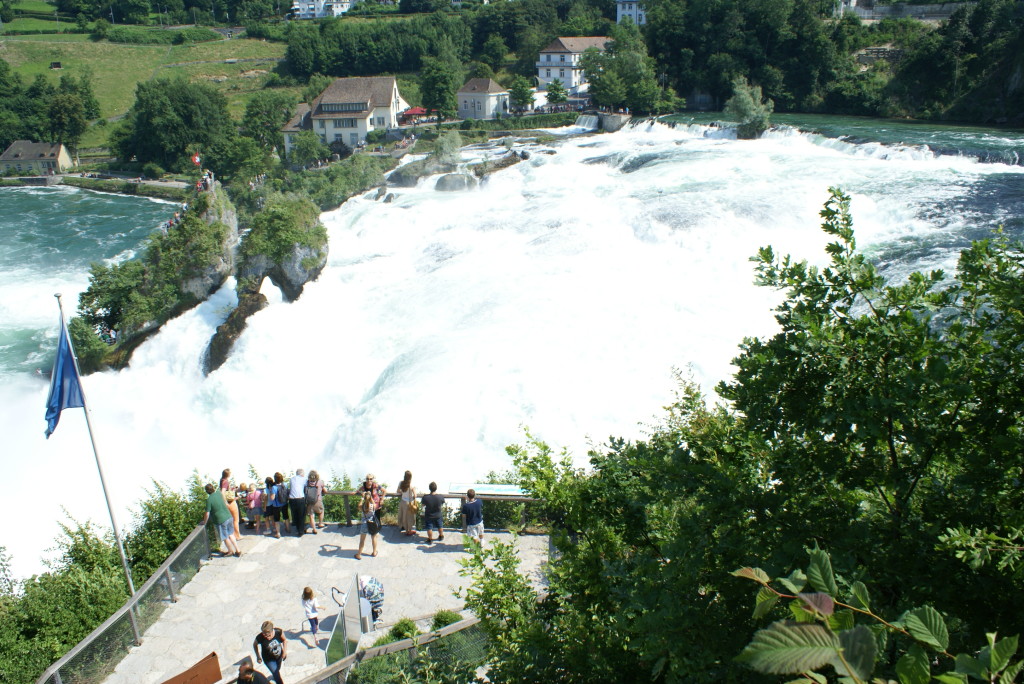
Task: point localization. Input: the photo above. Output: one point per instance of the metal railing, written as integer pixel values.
(464, 641)
(350, 495)
(96, 656)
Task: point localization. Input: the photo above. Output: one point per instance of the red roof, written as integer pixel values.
(414, 111)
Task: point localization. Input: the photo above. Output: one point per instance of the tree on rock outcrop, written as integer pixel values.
(748, 109)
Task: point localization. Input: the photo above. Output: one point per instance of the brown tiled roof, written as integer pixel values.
(482, 85)
(577, 44)
(26, 150)
(374, 91)
(299, 122)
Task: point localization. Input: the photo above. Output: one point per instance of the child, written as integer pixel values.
(473, 509)
(255, 506)
(311, 608)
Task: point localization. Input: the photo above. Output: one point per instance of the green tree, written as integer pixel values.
(6, 13)
(494, 52)
(265, 114)
(304, 49)
(520, 95)
(67, 119)
(169, 116)
(307, 148)
(748, 109)
(557, 93)
(440, 80)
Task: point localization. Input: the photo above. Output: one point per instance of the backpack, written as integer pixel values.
(312, 494)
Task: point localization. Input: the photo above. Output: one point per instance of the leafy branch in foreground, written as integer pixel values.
(824, 632)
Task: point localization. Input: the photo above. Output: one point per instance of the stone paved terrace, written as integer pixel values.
(223, 606)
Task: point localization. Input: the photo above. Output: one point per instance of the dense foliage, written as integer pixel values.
(135, 297)
(42, 112)
(877, 418)
(168, 117)
(284, 221)
(47, 614)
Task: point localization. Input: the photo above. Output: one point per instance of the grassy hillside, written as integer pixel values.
(117, 68)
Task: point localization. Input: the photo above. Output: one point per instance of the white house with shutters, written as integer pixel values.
(632, 9)
(320, 9)
(482, 98)
(347, 110)
(561, 60)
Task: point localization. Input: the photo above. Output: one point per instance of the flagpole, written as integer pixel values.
(103, 481)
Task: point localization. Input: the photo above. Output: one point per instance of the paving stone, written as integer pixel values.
(223, 606)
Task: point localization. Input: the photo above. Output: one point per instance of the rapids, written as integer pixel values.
(558, 296)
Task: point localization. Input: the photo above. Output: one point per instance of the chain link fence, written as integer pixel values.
(96, 656)
(463, 641)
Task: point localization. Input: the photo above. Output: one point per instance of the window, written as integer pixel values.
(547, 58)
(353, 139)
(561, 73)
(343, 107)
(547, 73)
(563, 57)
(338, 137)
(380, 120)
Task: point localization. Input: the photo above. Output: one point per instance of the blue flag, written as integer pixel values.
(65, 387)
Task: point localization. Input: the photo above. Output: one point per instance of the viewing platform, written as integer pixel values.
(221, 608)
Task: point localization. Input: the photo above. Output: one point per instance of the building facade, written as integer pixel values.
(319, 9)
(38, 159)
(482, 98)
(632, 9)
(561, 60)
(347, 110)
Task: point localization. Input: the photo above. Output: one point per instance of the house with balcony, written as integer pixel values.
(320, 9)
(632, 9)
(561, 60)
(482, 98)
(347, 110)
(37, 159)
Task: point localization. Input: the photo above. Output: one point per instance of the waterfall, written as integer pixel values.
(588, 122)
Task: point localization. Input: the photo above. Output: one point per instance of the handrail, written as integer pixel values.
(157, 576)
(394, 647)
(483, 497)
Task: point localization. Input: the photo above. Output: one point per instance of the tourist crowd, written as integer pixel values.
(296, 506)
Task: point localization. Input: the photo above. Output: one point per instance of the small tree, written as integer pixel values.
(556, 92)
(520, 95)
(308, 148)
(748, 109)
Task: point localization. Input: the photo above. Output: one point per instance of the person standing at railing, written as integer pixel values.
(368, 524)
(217, 507)
(407, 506)
(315, 491)
(432, 514)
(375, 491)
(297, 500)
(473, 509)
(271, 649)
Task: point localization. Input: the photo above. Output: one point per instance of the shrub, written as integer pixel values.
(152, 170)
(443, 618)
(403, 629)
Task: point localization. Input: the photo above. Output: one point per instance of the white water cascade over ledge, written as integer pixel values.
(559, 295)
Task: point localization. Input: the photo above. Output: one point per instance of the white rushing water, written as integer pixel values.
(560, 296)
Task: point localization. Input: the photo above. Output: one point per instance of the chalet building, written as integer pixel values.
(482, 98)
(32, 158)
(561, 60)
(320, 9)
(632, 9)
(347, 110)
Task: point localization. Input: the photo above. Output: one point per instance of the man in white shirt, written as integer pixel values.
(297, 500)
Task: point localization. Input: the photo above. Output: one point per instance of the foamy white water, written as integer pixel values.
(560, 295)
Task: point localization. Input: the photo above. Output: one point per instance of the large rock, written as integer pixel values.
(203, 284)
(231, 329)
(455, 182)
(408, 175)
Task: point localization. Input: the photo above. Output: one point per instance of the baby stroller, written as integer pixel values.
(371, 589)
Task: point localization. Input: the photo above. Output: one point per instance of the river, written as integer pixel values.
(559, 296)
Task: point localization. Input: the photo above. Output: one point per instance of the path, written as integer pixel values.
(222, 608)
